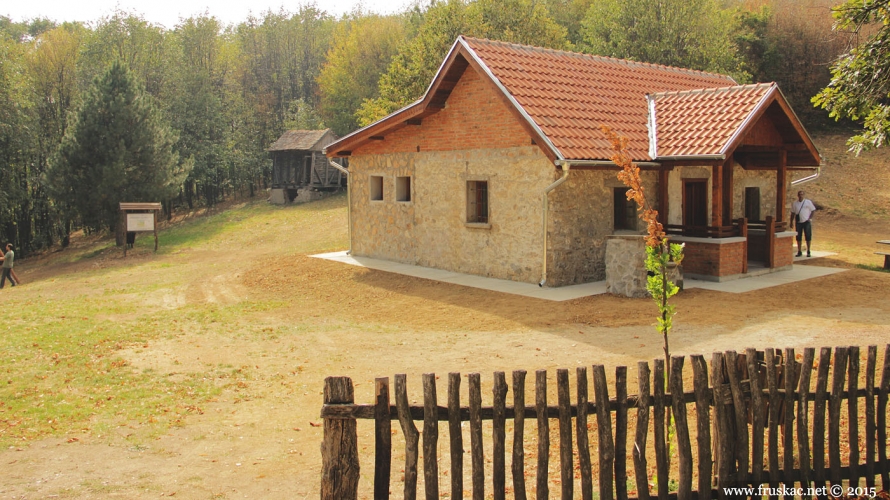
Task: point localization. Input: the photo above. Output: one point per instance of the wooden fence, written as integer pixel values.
(736, 443)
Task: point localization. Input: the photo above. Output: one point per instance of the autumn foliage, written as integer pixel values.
(660, 254)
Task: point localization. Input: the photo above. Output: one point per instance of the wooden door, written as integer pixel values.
(695, 202)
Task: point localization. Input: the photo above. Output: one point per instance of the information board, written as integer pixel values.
(140, 222)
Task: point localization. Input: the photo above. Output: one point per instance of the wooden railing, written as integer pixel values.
(731, 444)
(701, 231)
(724, 231)
(778, 226)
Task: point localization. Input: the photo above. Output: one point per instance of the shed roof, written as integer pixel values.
(562, 98)
(302, 140)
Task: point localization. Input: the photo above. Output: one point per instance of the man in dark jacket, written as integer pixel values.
(8, 263)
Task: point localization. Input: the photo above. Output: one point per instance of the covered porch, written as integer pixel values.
(729, 205)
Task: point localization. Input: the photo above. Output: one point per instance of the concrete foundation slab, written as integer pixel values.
(798, 273)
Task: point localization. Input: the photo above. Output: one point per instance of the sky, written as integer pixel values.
(168, 12)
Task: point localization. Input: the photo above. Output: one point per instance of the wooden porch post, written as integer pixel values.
(663, 196)
(781, 176)
(770, 241)
(727, 189)
(717, 195)
(743, 232)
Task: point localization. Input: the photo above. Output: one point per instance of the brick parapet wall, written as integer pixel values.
(784, 251)
(714, 259)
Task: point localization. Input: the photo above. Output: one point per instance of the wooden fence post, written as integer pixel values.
(639, 449)
(583, 439)
(430, 437)
(518, 465)
(339, 449)
(722, 437)
(412, 436)
(883, 394)
(382, 439)
(542, 481)
(606, 443)
(684, 446)
(456, 435)
(566, 469)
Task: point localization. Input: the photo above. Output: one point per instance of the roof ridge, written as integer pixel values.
(713, 90)
(627, 62)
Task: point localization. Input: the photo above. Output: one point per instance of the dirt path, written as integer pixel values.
(260, 438)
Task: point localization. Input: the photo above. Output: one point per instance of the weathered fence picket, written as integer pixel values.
(742, 400)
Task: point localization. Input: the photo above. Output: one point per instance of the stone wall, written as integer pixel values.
(763, 179)
(432, 229)
(676, 177)
(626, 266)
(581, 220)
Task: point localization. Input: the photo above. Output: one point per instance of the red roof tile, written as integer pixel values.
(570, 95)
(702, 122)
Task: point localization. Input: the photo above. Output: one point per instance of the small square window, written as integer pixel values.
(477, 202)
(403, 188)
(376, 187)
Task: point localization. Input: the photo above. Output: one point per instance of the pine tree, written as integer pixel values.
(116, 149)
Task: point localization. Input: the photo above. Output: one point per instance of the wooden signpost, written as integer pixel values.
(140, 218)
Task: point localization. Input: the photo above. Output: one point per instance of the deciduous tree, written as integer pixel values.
(860, 84)
(354, 65)
(521, 21)
(686, 33)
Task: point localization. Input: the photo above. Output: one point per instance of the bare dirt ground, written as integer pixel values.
(260, 439)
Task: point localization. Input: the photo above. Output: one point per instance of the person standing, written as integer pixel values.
(8, 263)
(802, 216)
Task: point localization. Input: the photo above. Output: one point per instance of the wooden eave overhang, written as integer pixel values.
(139, 206)
(797, 143)
(452, 69)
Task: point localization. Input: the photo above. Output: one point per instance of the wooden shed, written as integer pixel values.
(299, 167)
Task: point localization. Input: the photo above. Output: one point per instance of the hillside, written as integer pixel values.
(197, 372)
(851, 185)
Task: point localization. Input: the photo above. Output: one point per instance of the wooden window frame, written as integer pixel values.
(478, 203)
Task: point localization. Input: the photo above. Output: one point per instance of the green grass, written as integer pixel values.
(256, 218)
(873, 267)
(62, 373)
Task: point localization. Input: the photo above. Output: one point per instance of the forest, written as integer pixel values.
(208, 99)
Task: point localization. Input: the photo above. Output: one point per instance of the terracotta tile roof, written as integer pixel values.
(570, 95)
(301, 140)
(702, 122)
(562, 98)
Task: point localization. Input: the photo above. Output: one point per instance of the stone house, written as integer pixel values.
(501, 169)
